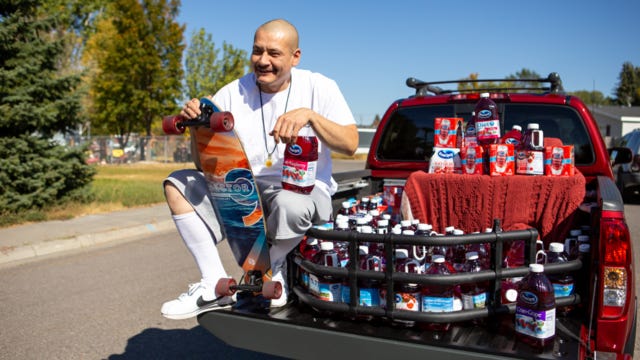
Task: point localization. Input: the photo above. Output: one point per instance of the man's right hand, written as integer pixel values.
(191, 109)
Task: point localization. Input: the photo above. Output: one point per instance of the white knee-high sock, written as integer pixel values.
(200, 242)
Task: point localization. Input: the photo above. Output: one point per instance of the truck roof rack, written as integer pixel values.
(423, 88)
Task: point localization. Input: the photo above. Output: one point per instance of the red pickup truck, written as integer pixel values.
(602, 320)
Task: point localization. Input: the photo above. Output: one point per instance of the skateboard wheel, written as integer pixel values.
(225, 287)
(221, 121)
(171, 125)
(272, 289)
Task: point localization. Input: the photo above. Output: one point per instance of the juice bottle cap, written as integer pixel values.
(402, 253)
(583, 238)
(386, 216)
(575, 232)
(425, 227)
(383, 222)
(405, 223)
(343, 224)
(366, 229)
(408, 232)
(556, 247)
(584, 248)
(396, 231)
(363, 250)
(374, 212)
(449, 229)
(536, 268)
(484, 95)
(365, 199)
(471, 255)
(458, 232)
(437, 259)
(533, 126)
(511, 295)
(326, 245)
(517, 127)
(346, 204)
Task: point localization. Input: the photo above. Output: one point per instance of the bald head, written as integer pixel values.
(282, 29)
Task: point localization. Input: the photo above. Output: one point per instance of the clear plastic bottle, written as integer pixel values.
(513, 137)
(326, 287)
(474, 294)
(300, 165)
(535, 318)
(438, 298)
(308, 250)
(487, 121)
(406, 295)
(563, 284)
(470, 138)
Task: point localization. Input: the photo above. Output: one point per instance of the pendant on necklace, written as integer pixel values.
(268, 162)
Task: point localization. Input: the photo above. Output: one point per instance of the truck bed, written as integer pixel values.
(298, 331)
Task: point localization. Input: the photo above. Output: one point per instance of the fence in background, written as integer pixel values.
(108, 150)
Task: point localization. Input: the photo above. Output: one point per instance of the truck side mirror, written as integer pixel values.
(620, 155)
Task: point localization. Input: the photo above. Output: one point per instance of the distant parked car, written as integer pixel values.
(628, 175)
(366, 136)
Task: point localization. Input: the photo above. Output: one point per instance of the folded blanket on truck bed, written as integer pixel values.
(471, 202)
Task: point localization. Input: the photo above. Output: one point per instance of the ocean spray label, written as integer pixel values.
(536, 324)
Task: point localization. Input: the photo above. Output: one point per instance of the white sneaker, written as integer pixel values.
(279, 276)
(198, 299)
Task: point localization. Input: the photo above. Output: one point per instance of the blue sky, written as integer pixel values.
(371, 47)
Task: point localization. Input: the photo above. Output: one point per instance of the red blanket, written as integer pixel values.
(471, 202)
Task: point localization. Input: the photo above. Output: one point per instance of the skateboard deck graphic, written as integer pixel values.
(234, 194)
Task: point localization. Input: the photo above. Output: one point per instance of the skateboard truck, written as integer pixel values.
(269, 289)
(218, 121)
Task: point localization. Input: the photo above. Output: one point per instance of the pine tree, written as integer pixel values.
(37, 101)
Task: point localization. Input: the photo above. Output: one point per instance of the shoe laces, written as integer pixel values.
(191, 291)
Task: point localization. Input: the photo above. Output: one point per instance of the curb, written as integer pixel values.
(9, 254)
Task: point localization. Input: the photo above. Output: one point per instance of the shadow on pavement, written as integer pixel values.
(195, 343)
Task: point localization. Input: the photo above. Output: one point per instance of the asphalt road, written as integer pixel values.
(104, 303)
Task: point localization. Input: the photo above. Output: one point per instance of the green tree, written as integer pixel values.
(37, 101)
(206, 71)
(628, 89)
(137, 51)
(510, 82)
(591, 97)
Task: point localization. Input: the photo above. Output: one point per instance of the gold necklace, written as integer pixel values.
(268, 162)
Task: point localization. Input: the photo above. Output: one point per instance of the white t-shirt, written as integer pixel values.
(308, 90)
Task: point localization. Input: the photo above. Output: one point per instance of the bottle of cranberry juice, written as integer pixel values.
(300, 165)
(535, 318)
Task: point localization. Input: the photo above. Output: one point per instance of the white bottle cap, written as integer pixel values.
(458, 232)
(584, 248)
(533, 126)
(408, 232)
(556, 247)
(437, 259)
(425, 227)
(449, 229)
(366, 229)
(484, 95)
(536, 268)
(511, 295)
(383, 223)
(405, 223)
(517, 127)
(326, 245)
(471, 255)
(363, 250)
(402, 253)
(346, 204)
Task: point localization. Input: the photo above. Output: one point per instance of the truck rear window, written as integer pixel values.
(409, 134)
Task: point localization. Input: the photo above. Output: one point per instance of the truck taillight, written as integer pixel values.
(615, 272)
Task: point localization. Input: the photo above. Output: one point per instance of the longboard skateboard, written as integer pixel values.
(234, 195)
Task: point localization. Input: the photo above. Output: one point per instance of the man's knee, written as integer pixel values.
(176, 201)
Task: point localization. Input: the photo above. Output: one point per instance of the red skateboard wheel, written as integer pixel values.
(224, 287)
(170, 125)
(221, 121)
(272, 289)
